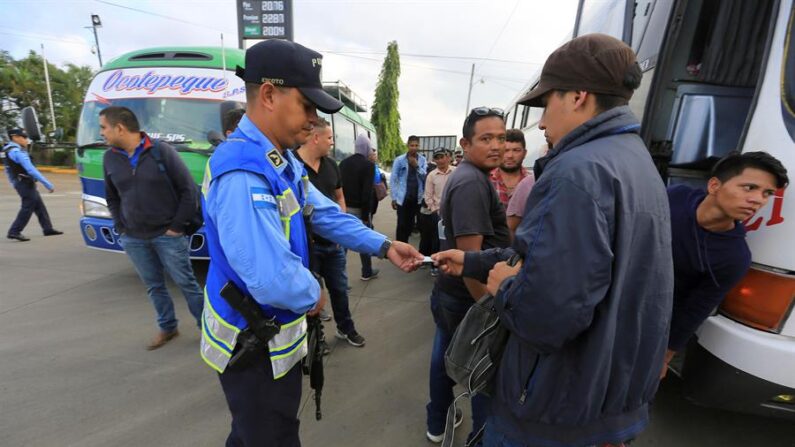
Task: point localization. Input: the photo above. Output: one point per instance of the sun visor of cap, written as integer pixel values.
(533, 98)
(322, 100)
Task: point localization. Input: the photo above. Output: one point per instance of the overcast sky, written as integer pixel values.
(433, 90)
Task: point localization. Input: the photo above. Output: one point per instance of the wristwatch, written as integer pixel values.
(384, 248)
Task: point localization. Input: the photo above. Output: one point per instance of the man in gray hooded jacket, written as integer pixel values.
(589, 308)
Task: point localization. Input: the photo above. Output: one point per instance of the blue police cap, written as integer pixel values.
(288, 64)
(17, 132)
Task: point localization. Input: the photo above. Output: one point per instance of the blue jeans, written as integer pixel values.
(150, 258)
(448, 311)
(367, 262)
(329, 261)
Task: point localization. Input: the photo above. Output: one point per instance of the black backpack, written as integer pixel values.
(197, 219)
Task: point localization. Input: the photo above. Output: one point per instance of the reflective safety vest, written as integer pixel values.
(220, 323)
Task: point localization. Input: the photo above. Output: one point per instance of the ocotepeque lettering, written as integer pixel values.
(152, 82)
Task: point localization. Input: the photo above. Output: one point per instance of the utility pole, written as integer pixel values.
(469, 93)
(471, 83)
(49, 91)
(96, 23)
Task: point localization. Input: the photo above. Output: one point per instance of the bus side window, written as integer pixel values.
(525, 111)
(788, 83)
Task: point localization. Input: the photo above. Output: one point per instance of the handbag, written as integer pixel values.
(474, 354)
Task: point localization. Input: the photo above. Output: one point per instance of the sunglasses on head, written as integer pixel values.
(485, 111)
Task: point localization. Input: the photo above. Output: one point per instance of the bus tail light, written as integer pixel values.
(762, 300)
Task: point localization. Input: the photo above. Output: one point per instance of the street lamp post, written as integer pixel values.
(469, 93)
(96, 23)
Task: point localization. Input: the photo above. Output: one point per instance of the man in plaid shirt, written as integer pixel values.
(510, 172)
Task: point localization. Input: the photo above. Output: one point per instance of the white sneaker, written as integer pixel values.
(436, 439)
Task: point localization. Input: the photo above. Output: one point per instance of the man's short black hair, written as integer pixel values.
(468, 130)
(735, 163)
(515, 136)
(632, 78)
(413, 138)
(232, 118)
(121, 115)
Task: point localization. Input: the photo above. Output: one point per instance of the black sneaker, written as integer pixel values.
(437, 438)
(353, 338)
(18, 236)
(373, 275)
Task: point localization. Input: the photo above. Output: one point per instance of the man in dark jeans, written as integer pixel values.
(408, 185)
(358, 174)
(151, 210)
(328, 258)
(473, 220)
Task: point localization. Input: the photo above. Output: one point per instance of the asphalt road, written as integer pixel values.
(74, 371)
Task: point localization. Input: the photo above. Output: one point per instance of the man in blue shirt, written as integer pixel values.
(23, 177)
(408, 186)
(255, 194)
(708, 237)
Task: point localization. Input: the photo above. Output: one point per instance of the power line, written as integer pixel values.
(176, 19)
(444, 70)
(505, 25)
(52, 38)
(437, 56)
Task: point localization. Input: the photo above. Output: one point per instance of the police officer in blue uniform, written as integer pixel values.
(23, 177)
(254, 193)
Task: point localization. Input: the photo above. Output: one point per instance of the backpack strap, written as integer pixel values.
(161, 166)
(158, 156)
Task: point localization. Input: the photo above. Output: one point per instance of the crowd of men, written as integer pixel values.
(616, 272)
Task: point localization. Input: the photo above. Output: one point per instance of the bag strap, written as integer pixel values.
(161, 166)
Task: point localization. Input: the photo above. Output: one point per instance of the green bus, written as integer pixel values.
(179, 95)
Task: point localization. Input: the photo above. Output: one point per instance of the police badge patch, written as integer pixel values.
(275, 158)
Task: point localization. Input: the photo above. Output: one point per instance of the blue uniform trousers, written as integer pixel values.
(264, 411)
(31, 203)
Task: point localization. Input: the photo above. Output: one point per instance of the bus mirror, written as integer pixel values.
(214, 137)
(31, 123)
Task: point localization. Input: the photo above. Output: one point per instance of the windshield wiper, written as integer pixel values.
(98, 143)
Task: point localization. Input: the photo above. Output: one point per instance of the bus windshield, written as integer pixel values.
(176, 120)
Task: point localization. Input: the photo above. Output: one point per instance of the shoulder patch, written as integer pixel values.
(262, 198)
(275, 158)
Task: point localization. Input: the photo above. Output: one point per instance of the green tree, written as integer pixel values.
(385, 116)
(22, 84)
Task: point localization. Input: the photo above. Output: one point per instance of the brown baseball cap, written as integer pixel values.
(594, 63)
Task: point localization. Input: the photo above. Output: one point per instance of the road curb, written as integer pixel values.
(55, 170)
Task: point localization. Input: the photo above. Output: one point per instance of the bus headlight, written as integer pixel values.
(95, 209)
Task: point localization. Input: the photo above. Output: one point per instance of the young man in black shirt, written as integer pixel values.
(328, 257)
(473, 219)
(358, 175)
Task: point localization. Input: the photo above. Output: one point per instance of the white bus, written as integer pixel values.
(719, 75)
